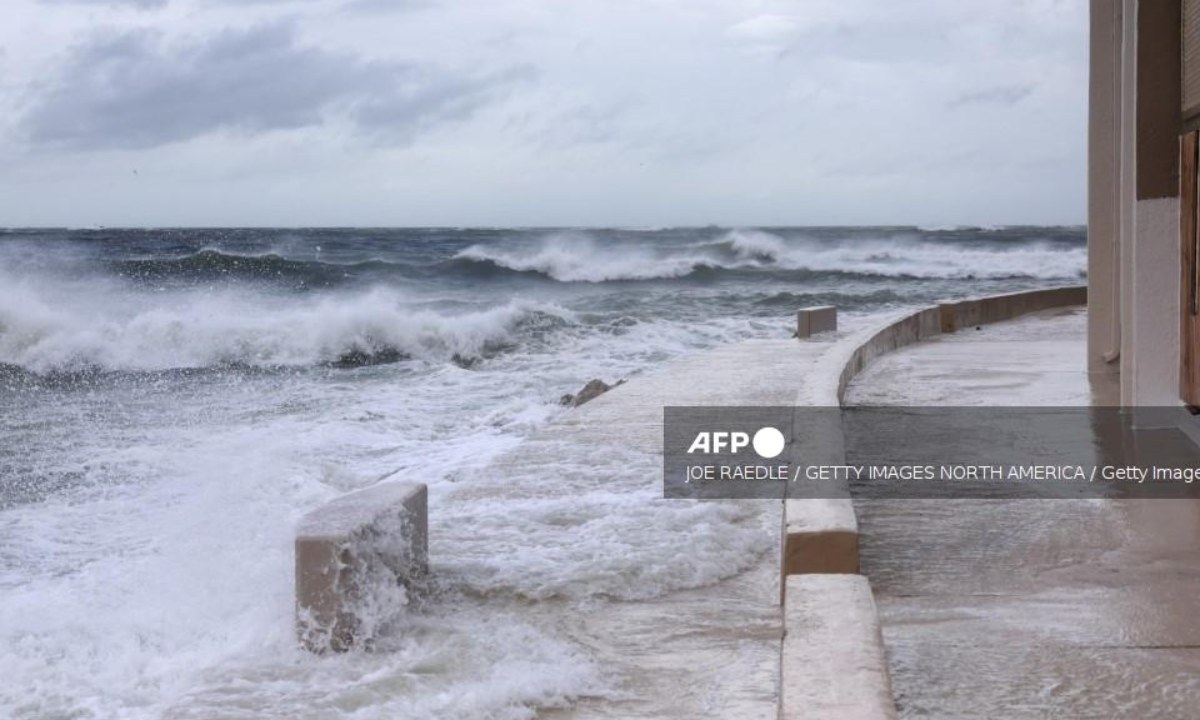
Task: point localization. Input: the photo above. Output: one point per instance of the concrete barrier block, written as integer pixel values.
(821, 536)
(834, 666)
(820, 533)
(357, 560)
(813, 320)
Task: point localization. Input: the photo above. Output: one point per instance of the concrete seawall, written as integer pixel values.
(833, 660)
(952, 316)
(998, 308)
(739, 610)
(821, 536)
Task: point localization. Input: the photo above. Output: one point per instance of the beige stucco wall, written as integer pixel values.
(1153, 371)
(1104, 162)
(1133, 244)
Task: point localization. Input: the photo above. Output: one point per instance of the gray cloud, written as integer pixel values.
(135, 90)
(379, 6)
(152, 4)
(141, 4)
(1007, 95)
(643, 112)
(386, 6)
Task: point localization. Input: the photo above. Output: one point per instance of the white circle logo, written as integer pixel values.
(768, 443)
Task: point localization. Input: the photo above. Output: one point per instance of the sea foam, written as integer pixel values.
(44, 331)
(580, 257)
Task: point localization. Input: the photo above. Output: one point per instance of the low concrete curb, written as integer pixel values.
(951, 316)
(821, 536)
(356, 560)
(833, 665)
(997, 308)
(911, 328)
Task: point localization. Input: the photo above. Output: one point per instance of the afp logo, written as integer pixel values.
(768, 442)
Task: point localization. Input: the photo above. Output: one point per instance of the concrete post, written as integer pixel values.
(357, 559)
(813, 320)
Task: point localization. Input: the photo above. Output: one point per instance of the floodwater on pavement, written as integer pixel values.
(1036, 608)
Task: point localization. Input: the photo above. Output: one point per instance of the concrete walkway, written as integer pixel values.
(676, 601)
(1028, 608)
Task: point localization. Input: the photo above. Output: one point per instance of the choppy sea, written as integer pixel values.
(172, 401)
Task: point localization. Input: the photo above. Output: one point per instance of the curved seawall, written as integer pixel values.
(845, 674)
(672, 598)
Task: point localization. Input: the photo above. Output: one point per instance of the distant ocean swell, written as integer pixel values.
(567, 258)
(581, 257)
(121, 306)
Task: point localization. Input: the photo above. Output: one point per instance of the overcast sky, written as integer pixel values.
(542, 112)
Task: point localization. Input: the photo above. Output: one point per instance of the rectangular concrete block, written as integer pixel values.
(821, 537)
(357, 559)
(834, 666)
(820, 533)
(813, 320)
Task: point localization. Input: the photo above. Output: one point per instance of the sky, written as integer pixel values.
(632, 113)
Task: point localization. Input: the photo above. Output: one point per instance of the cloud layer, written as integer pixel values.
(136, 90)
(531, 112)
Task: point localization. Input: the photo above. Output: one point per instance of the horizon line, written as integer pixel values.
(927, 227)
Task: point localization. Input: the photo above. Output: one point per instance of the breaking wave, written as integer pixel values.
(577, 257)
(614, 256)
(141, 398)
(194, 330)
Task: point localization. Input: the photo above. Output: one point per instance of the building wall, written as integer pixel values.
(1127, 193)
(1154, 327)
(1133, 204)
(1104, 166)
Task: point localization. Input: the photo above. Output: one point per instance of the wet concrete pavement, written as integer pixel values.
(1028, 608)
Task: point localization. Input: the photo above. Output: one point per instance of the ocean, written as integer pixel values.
(173, 401)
